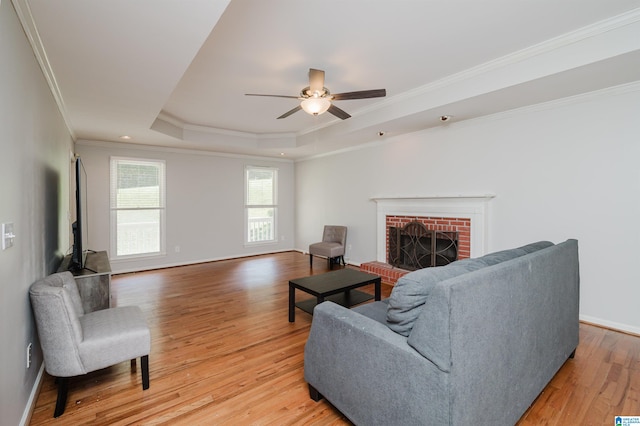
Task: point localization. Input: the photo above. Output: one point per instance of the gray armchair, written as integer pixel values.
(74, 343)
(332, 246)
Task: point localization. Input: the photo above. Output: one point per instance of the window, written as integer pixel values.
(137, 207)
(261, 204)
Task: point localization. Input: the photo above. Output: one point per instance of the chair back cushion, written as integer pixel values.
(57, 308)
(334, 234)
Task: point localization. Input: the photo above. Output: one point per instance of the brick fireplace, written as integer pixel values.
(465, 216)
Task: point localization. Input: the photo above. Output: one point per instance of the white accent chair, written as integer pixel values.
(332, 246)
(74, 343)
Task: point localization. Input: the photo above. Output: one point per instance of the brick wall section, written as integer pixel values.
(391, 274)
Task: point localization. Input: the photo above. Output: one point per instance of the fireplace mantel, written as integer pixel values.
(485, 197)
(473, 207)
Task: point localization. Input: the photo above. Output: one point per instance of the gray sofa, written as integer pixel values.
(473, 342)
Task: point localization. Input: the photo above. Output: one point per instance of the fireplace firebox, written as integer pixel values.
(413, 247)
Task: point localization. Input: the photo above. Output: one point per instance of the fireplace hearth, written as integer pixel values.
(413, 246)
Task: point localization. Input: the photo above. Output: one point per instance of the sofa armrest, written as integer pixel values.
(359, 364)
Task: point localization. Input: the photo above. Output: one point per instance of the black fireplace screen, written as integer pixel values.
(415, 247)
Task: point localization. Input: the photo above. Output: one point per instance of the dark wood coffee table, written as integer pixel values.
(336, 286)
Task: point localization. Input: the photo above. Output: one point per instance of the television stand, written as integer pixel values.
(94, 281)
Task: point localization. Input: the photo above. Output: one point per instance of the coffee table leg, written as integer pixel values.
(378, 287)
(292, 303)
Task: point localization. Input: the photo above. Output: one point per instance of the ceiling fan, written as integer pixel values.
(316, 99)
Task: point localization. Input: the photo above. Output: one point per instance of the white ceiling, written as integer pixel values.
(174, 73)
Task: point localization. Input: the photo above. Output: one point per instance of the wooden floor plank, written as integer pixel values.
(224, 353)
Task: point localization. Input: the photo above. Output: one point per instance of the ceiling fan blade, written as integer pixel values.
(338, 112)
(288, 113)
(316, 80)
(272, 96)
(362, 94)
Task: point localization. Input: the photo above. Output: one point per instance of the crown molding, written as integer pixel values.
(163, 116)
(584, 33)
(165, 149)
(23, 10)
(559, 103)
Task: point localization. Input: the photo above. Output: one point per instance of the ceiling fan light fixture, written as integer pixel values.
(315, 99)
(315, 106)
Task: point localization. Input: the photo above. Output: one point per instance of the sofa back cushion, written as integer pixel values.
(430, 335)
(412, 290)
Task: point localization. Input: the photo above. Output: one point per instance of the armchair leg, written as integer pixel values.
(338, 260)
(310, 260)
(144, 361)
(314, 394)
(61, 403)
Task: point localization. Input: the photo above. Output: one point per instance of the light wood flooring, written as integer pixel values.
(224, 353)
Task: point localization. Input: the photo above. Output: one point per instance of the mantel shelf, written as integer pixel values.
(435, 197)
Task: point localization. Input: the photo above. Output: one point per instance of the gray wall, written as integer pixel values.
(567, 169)
(205, 203)
(35, 151)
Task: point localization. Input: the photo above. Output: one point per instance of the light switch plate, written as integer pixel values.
(7, 235)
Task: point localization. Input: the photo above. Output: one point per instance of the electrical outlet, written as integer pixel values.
(29, 347)
(7, 235)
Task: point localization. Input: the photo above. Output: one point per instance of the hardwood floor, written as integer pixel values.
(224, 353)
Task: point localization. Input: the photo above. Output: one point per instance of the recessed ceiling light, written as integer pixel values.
(125, 137)
(282, 153)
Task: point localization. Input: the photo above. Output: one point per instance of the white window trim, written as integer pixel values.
(112, 212)
(247, 243)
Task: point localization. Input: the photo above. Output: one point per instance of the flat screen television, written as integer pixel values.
(80, 226)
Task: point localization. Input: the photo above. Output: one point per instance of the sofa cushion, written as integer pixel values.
(377, 311)
(411, 291)
(501, 256)
(530, 248)
(327, 249)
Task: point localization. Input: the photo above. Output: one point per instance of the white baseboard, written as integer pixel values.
(126, 270)
(625, 328)
(28, 410)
